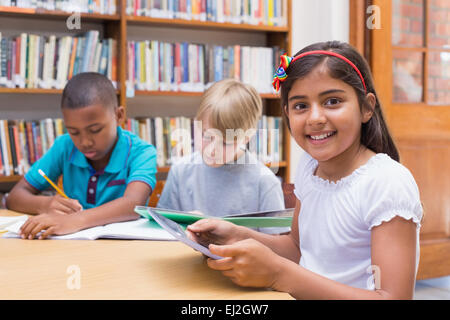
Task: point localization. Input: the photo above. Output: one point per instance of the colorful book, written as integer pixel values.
(263, 219)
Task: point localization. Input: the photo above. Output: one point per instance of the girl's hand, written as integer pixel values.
(50, 224)
(207, 231)
(60, 205)
(247, 263)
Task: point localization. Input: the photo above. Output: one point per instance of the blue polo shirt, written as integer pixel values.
(131, 160)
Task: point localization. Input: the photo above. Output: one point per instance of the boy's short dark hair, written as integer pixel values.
(89, 88)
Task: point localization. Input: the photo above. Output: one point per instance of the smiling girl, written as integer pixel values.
(355, 231)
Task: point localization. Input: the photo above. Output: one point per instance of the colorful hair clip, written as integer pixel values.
(280, 74)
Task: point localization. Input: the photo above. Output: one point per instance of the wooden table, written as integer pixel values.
(112, 269)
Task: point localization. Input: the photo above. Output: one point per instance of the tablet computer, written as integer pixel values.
(177, 231)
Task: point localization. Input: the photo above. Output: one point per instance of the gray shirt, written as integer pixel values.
(244, 186)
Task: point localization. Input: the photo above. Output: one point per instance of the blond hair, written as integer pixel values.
(230, 104)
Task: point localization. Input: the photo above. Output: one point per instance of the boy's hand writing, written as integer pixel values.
(49, 224)
(61, 205)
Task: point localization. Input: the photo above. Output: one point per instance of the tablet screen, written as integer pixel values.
(177, 231)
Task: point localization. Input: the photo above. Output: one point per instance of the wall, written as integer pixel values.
(316, 21)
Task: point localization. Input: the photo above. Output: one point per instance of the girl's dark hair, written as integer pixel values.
(374, 134)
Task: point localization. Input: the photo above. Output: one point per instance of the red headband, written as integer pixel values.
(281, 75)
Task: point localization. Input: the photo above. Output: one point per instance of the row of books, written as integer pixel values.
(24, 142)
(256, 12)
(154, 65)
(84, 6)
(175, 137)
(36, 61)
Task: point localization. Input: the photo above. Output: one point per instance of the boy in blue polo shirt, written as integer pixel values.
(106, 171)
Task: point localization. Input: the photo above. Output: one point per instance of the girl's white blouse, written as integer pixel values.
(336, 219)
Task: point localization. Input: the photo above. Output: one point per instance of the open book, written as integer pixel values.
(266, 219)
(141, 229)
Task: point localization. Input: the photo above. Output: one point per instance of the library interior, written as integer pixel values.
(161, 56)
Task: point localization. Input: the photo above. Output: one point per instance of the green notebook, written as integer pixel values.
(267, 219)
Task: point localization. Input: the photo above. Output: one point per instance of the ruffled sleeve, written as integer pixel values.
(304, 170)
(393, 192)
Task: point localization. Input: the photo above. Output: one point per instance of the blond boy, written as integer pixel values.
(222, 177)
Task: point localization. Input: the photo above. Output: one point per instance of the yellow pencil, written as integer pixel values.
(52, 184)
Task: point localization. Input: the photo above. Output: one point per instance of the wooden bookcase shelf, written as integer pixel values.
(16, 178)
(9, 179)
(118, 27)
(197, 24)
(189, 94)
(136, 93)
(30, 91)
(34, 91)
(41, 14)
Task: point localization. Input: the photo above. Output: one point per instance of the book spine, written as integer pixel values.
(177, 69)
(212, 60)
(160, 142)
(110, 60)
(16, 78)
(2, 171)
(3, 61)
(155, 63)
(225, 61)
(185, 52)
(173, 84)
(23, 144)
(142, 73)
(136, 71)
(98, 52)
(130, 64)
(237, 62)
(280, 139)
(166, 137)
(93, 46)
(8, 148)
(201, 66)
(87, 50)
(8, 63)
(218, 63)
(45, 73)
(72, 57)
(40, 61)
(114, 75)
(270, 12)
(230, 69)
(30, 142)
(5, 157)
(67, 54)
(37, 140)
(18, 149)
(29, 72)
(104, 58)
(23, 59)
(59, 68)
(202, 10)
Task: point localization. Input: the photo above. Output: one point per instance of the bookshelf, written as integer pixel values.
(120, 28)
